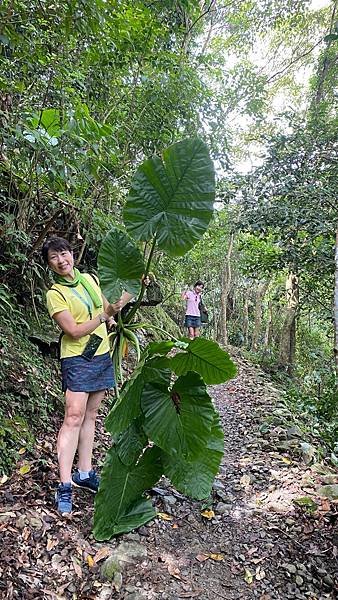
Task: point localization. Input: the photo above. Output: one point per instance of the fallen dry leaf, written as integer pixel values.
(256, 561)
(24, 469)
(77, 568)
(208, 514)
(174, 571)
(51, 544)
(101, 554)
(26, 533)
(248, 576)
(213, 555)
(164, 516)
(260, 574)
(202, 557)
(216, 556)
(3, 479)
(325, 505)
(245, 480)
(90, 561)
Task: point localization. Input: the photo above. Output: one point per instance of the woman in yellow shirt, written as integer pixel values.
(76, 303)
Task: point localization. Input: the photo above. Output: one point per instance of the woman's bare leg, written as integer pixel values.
(68, 437)
(87, 431)
(191, 333)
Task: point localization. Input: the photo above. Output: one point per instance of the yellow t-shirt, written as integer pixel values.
(61, 297)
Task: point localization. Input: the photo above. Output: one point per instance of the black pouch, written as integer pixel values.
(91, 346)
(204, 313)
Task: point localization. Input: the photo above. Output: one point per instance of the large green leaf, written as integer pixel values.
(139, 512)
(157, 370)
(49, 119)
(120, 265)
(119, 505)
(206, 358)
(195, 477)
(131, 442)
(127, 408)
(179, 420)
(173, 199)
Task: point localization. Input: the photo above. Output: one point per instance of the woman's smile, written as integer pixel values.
(61, 263)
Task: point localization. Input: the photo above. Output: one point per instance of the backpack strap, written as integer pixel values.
(95, 277)
(55, 289)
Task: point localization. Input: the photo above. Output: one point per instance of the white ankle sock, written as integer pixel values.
(83, 474)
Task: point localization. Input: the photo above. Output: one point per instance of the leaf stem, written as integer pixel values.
(141, 294)
(166, 333)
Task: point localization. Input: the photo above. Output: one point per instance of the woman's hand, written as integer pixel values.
(111, 323)
(113, 309)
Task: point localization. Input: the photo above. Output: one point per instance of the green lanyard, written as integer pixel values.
(86, 301)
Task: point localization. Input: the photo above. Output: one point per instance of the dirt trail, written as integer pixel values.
(257, 542)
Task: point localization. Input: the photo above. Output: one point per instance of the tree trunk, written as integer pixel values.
(225, 288)
(246, 317)
(335, 309)
(215, 316)
(287, 343)
(261, 291)
(268, 328)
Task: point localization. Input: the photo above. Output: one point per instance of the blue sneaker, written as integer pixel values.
(91, 483)
(63, 498)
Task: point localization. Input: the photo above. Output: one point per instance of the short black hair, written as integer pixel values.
(199, 283)
(54, 243)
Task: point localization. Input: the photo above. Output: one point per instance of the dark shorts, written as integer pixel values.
(191, 321)
(81, 375)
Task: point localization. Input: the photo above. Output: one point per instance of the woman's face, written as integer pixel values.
(198, 289)
(61, 262)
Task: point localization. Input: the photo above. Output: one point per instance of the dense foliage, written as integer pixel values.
(88, 90)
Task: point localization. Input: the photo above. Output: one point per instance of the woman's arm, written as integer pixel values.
(66, 322)
(119, 304)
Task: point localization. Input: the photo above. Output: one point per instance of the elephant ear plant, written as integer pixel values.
(164, 421)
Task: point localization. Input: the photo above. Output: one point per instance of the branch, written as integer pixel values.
(326, 61)
(185, 41)
(294, 61)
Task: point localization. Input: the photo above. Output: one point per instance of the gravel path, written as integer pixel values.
(256, 538)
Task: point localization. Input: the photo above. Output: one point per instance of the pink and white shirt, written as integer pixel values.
(193, 299)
